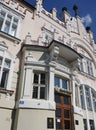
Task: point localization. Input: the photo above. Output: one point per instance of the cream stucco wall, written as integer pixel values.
(34, 119)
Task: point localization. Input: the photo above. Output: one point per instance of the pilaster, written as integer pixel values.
(28, 82)
(51, 83)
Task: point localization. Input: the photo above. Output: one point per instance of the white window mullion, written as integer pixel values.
(39, 86)
(38, 92)
(60, 83)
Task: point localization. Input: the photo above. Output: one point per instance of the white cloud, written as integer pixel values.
(87, 20)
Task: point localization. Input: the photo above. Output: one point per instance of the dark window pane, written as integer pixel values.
(58, 112)
(66, 114)
(42, 92)
(57, 82)
(50, 123)
(4, 78)
(76, 122)
(64, 84)
(1, 23)
(91, 125)
(35, 92)
(66, 100)
(85, 124)
(58, 123)
(42, 81)
(57, 98)
(36, 78)
(66, 124)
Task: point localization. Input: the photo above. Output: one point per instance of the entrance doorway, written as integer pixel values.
(63, 112)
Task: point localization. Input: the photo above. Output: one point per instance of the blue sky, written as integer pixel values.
(86, 10)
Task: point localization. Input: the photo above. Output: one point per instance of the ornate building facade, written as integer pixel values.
(47, 69)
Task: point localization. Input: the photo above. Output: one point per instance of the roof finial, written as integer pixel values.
(75, 8)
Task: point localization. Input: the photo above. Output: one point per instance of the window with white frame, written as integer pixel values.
(6, 70)
(8, 23)
(81, 96)
(88, 100)
(61, 83)
(39, 85)
(94, 99)
(89, 67)
(81, 65)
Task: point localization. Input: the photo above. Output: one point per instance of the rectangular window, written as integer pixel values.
(89, 67)
(88, 100)
(8, 24)
(4, 78)
(2, 15)
(57, 81)
(81, 96)
(4, 70)
(39, 87)
(81, 65)
(60, 82)
(91, 125)
(85, 124)
(94, 99)
(50, 123)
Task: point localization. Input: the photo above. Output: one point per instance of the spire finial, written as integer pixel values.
(75, 8)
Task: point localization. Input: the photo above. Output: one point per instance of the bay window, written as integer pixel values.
(39, 85)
